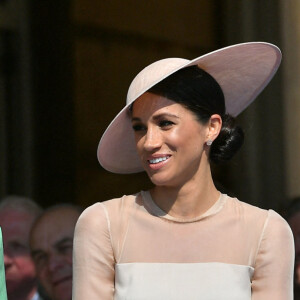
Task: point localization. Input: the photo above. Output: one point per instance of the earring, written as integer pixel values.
(209, 142)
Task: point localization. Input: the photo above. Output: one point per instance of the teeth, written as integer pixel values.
(157, 160)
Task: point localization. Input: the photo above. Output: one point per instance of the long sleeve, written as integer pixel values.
(93, 259)
(273, 271)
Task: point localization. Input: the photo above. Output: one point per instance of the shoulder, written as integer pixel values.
(246, 211)
(265, 222)
(102, 212)
(118, 204)
(253, 212)
(272, 228)
(277, 227)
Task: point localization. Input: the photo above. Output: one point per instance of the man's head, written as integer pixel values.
(17, 214)
(51, 241)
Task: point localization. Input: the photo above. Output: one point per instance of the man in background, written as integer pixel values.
(51, 242)
(17, 214)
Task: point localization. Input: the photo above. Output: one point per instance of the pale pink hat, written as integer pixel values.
(242, 71)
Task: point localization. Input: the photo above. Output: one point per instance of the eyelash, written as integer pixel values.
(138, 127)
(165, 123)
(65, 248)
(161, 124)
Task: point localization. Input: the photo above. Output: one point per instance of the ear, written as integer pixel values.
(214, 127)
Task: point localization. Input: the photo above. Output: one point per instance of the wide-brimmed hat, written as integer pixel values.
(241, 70)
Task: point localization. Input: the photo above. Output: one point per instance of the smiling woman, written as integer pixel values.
(183, 239)
(165, 134)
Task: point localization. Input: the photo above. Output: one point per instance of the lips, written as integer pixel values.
(61, 280)
(157, 160)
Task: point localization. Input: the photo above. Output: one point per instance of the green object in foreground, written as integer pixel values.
(3, 295)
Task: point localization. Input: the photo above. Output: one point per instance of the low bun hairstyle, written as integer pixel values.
(228, 142)
(199, 92)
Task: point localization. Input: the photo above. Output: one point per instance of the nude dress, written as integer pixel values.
(129, 249)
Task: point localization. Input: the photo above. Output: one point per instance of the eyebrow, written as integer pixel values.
(157, 117)
(135, 119)
(62, 241)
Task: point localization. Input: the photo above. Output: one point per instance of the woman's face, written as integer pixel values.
(169, 139)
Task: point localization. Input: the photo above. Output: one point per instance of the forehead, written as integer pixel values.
(149, 103)
(15, 222)
(53, 227)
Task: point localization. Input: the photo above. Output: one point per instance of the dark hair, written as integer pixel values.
(199, 92)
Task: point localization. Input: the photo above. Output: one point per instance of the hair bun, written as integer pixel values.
(228, 142)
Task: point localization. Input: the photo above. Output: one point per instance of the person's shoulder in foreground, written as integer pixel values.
(274, 261)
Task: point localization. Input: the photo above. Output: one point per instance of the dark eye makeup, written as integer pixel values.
(138, 127)
(165, 123)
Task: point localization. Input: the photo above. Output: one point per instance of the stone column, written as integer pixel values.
(257, 171)
(290, 15)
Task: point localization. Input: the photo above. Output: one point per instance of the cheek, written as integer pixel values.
(43, 276)
(25, 265)
(68, 259)
(183, 138)
(139, 144)
(189, 142)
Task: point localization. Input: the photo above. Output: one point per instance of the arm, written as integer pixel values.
(93, 259)
(274, 265)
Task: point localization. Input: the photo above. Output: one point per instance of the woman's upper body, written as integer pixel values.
(129, 248)
(181, 239)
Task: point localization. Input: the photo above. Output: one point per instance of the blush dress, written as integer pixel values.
(129, 249)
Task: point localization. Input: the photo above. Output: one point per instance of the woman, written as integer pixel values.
(183, 239)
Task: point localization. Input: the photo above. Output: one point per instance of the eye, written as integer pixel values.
(40, 260)
(165, 124)
(138, 127)
(65, 249)
(17, 247)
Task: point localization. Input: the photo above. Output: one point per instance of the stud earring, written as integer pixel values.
(209, 142)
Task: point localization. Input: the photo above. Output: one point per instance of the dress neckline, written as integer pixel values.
(157, 211)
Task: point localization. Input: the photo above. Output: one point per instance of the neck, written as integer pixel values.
(189, 200)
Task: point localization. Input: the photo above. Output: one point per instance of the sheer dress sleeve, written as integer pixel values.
(93, 258)
(114, 240)
(274, 264)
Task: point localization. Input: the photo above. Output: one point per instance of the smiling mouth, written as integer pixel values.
(158, 159)
(59, 281)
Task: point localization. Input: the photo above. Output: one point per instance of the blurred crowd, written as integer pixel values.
(38, 247)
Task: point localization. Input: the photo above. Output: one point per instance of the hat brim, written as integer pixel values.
(241, 70)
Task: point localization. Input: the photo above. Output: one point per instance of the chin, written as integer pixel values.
(64, 292)
(159, 180)
(65, 296)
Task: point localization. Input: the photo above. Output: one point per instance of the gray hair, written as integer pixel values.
(20, 204)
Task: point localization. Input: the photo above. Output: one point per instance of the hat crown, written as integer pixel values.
(151, 75)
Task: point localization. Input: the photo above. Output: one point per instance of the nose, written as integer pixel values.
(7, 261)
(54, 263)
(153, 139)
